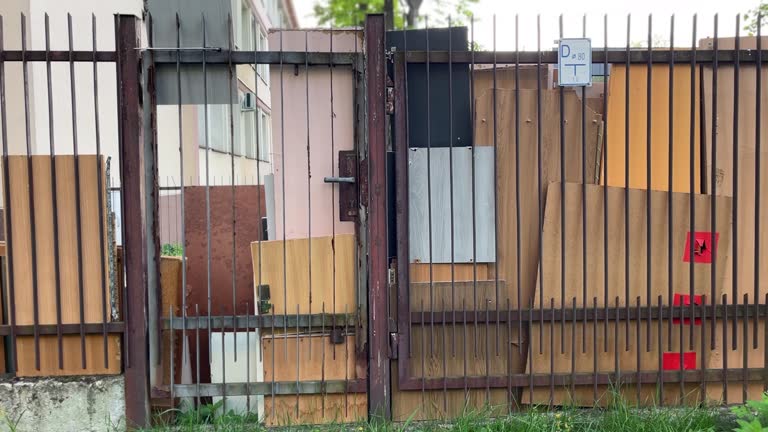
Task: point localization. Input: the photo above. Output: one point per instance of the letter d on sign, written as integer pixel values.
(565, 51)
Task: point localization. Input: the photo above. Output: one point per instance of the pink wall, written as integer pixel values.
(289, 122)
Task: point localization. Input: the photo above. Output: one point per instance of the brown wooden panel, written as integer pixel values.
(249, 204)
(419, 272)
(333, 273)
(291, 357)
(94, 293)
(727, 182)
(661, 247)
(170, 286)
(660, 105)
(49, 357)
(529, 188)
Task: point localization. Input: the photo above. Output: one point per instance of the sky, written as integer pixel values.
(573, 13)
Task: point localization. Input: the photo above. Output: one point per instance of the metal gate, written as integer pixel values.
(541, 258)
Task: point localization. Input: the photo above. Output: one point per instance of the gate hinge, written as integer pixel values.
(393, 339)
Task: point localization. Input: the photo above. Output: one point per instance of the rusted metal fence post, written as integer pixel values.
(133, 176)
(378, 337)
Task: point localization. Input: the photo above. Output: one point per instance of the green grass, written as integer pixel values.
(618, 417)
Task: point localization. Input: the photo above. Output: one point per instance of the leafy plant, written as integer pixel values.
(171, 250)
(751, 18)
(753, 415)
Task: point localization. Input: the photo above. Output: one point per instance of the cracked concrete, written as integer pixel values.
(71, 404)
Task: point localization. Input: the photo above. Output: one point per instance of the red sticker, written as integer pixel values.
(704, 242)
(671, 360)
(685, 300)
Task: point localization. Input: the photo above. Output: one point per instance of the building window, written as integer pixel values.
(265, 135)
(263, 45)
(246, 29)
(219, 136)
(247, 132)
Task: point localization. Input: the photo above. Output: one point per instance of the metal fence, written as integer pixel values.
(588, 241)
(531, 243)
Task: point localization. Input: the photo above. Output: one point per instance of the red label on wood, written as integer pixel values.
(671, 360)
(704, 243)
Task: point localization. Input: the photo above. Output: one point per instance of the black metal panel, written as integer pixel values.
(439, 88)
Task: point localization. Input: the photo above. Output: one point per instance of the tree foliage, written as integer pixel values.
(404, 13)
(751, 17)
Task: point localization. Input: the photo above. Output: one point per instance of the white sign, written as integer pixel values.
(574, 62)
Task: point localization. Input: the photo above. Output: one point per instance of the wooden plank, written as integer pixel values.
(170, 286)
(466, 244)
(728, 183)
(660, 105)
(292, 357)
(332, 279)
(461, 295)
(661, 245)
(442, 272)
(93, 290)
(529, 188)
(49, 363)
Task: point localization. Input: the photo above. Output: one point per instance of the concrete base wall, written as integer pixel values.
(63, 404)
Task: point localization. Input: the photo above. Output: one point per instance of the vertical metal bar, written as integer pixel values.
(670, 171)
(539, 182)
(309, 187)
(274, 350)
(464, 374)
(704, 358)
(487, 355)
(472, 111)
(735, 206)
(173, 369)
(594, 350)
(282, 175)
(181, 175)
(584, 199)
(495, 193)
(510, 395)
(55, 207)
(378, 364)
(626, 182)
(7, 201)
(429, 193)
(444, 360)
(744, 348)
(401, 140)
(517, 180)
(298, 358)
(648, 173)
(207, 187)
(132, 173)
(660, 347)
(248, 351)
(552, 352)
(758, 158)
(530, 345)
(605, 189)
(638, 351)
(563, 266)
(322, 362)
(423, 354)
(713, 193)
(725, 345)
(692, 177)
(450, 185)
(573, 345)
(346, 362)
(231, 110)
(197, 354)
(100, 185)
(681, 310)
(31, 190)
(333, 200)
(617, 378)
(223, 365)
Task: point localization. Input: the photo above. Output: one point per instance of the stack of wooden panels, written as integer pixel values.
(309, 276)
(721, 152)
(576, 348)
(94, 279)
